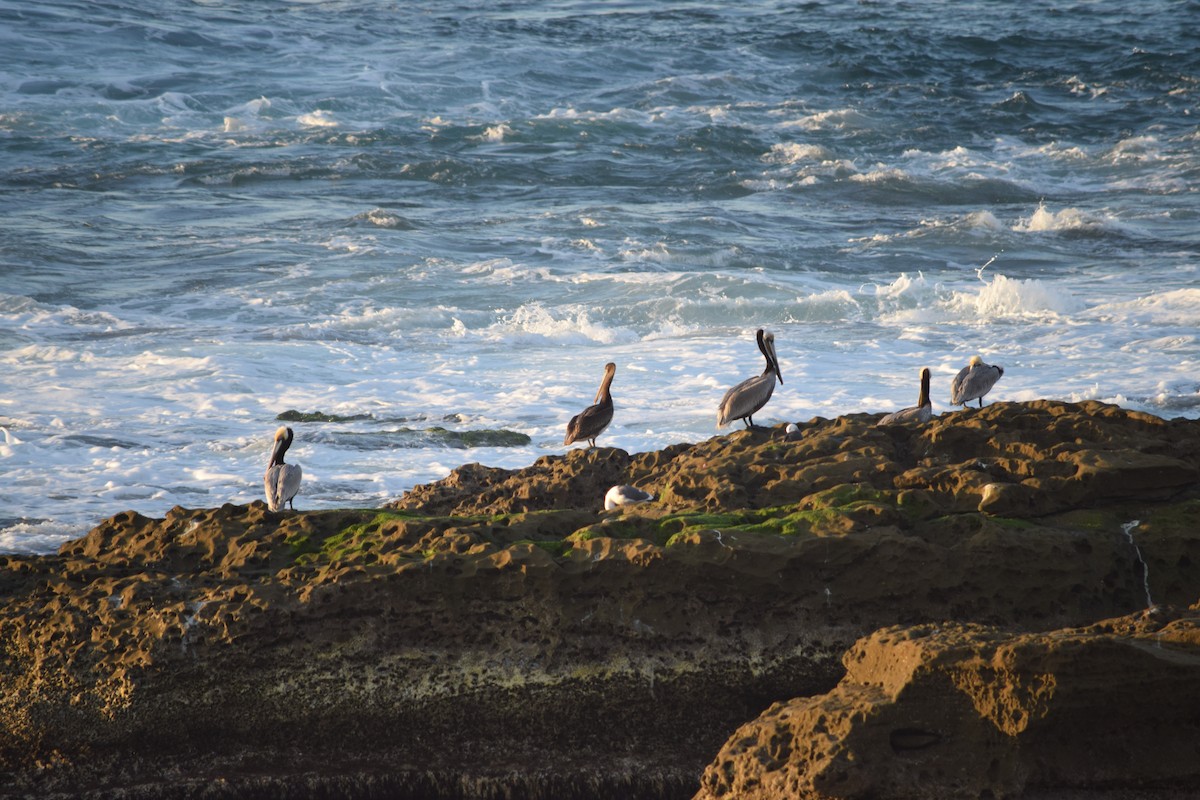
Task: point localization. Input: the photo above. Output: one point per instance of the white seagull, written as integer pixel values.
(625, 495)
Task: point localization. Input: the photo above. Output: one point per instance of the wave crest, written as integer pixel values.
(1066, 220)
(534, 321)
(1005, 297)
(795, 152)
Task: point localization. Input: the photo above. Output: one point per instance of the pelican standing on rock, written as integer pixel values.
(921, 412)
(625, 495)
(974, 381)
(743, 400)
(591, 422)
(282, 481)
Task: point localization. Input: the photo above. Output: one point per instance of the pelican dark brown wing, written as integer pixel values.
(591, 422)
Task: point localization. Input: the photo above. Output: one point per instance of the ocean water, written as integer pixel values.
(434, 223)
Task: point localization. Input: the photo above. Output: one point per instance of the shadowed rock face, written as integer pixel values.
(964, 711)
(495, 633)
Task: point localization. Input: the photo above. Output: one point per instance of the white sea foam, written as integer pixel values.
(983, 221)
(1136, 149)
(506, 271)
(36, 537)
(320, 118)
(833, 119)
(776, 185)
(1078, 86)
(956, 158)
(1005, 297)
(880, 175)
(795, 153)
(33, 317)
(663, 280)
(1176, 307)
(535, 321)
(495, 133)
(908, 299)
(614, 114)
(380, 321)
(1067, 219)
(829, 305)
(976, 224)
(382, 218)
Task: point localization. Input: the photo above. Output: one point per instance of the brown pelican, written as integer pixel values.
(750, 395)
(589, 423)
(921, 412)
(625, 495)
(282, 481)
(974, 381)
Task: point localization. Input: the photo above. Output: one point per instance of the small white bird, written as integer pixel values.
(625, 495)
(921, 412)
(791, 432)
(282, 481)
(974, 381)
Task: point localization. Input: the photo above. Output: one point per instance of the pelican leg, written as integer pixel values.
(981, 402)
(749, 421)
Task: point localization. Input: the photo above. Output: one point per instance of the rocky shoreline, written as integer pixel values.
(1002, 602)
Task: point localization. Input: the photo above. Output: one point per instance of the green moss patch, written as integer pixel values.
(621, 529)
(556, 548)
(848, 495)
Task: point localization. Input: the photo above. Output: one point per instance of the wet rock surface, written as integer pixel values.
(496, 634)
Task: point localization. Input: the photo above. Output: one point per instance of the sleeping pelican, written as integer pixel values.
(589, 423)
(974, 381)
(282, 481)
(625, 495)
(921, 412)
(750, 395)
